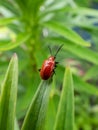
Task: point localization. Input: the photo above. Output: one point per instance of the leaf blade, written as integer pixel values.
(65, 114)
(5, 21)
(66, 32)
(15, 42)
(9, 96)
(35, 117)
(82, 86)
(91, 73)
(79, 84)
(84, 11)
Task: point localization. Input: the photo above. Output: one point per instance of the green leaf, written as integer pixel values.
(66, 32)
(54, 7)
(10, 7)
(81, 85)
(92, 73)
(52, 106)
(9, 96)
(14, 42)
(84, 11)
(5, 21)
(65, 113)
(86, 23)
(35, 118)
(52, 110)
(81, 52)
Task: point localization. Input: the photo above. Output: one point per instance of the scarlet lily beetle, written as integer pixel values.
(48, 67)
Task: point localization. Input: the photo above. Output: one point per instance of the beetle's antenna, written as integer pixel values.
(58, 50)
(50, 50)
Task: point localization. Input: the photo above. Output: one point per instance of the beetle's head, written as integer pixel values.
(54, 56)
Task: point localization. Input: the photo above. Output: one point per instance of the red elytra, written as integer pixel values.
(48, 67)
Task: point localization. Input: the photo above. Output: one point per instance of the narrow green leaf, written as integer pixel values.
(81, 52)
(84, 11)
(66, 32)
(35, 118)
(10, 6)
(15, 42)
(52, 106)
(9, 96)
(87, 24)
(81, 85)
(54, 7)
(92, 73)
(52, 110)
(65, 114)
(5, 21)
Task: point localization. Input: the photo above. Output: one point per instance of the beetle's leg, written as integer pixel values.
(56, 62)
(39, 69)
(54, 72)
(55, 65)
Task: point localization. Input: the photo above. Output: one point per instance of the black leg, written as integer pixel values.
(39, 69)
(55, 65)
(54, 72)
(56, 62)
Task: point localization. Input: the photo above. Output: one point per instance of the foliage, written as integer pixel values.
(27, 28)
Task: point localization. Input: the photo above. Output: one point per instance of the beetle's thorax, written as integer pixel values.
(51, 58)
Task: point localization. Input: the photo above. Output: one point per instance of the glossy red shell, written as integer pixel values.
(47, 68)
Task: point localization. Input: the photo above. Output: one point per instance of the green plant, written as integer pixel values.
(8, 96)
(28, 28)
(35, 117)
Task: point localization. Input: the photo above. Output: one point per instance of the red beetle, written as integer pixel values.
(48, 67)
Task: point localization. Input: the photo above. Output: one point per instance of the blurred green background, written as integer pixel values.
(28, 27)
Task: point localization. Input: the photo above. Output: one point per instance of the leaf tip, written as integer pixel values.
(67, 66)
(14, 58)
(68, 70)
(14, 55)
